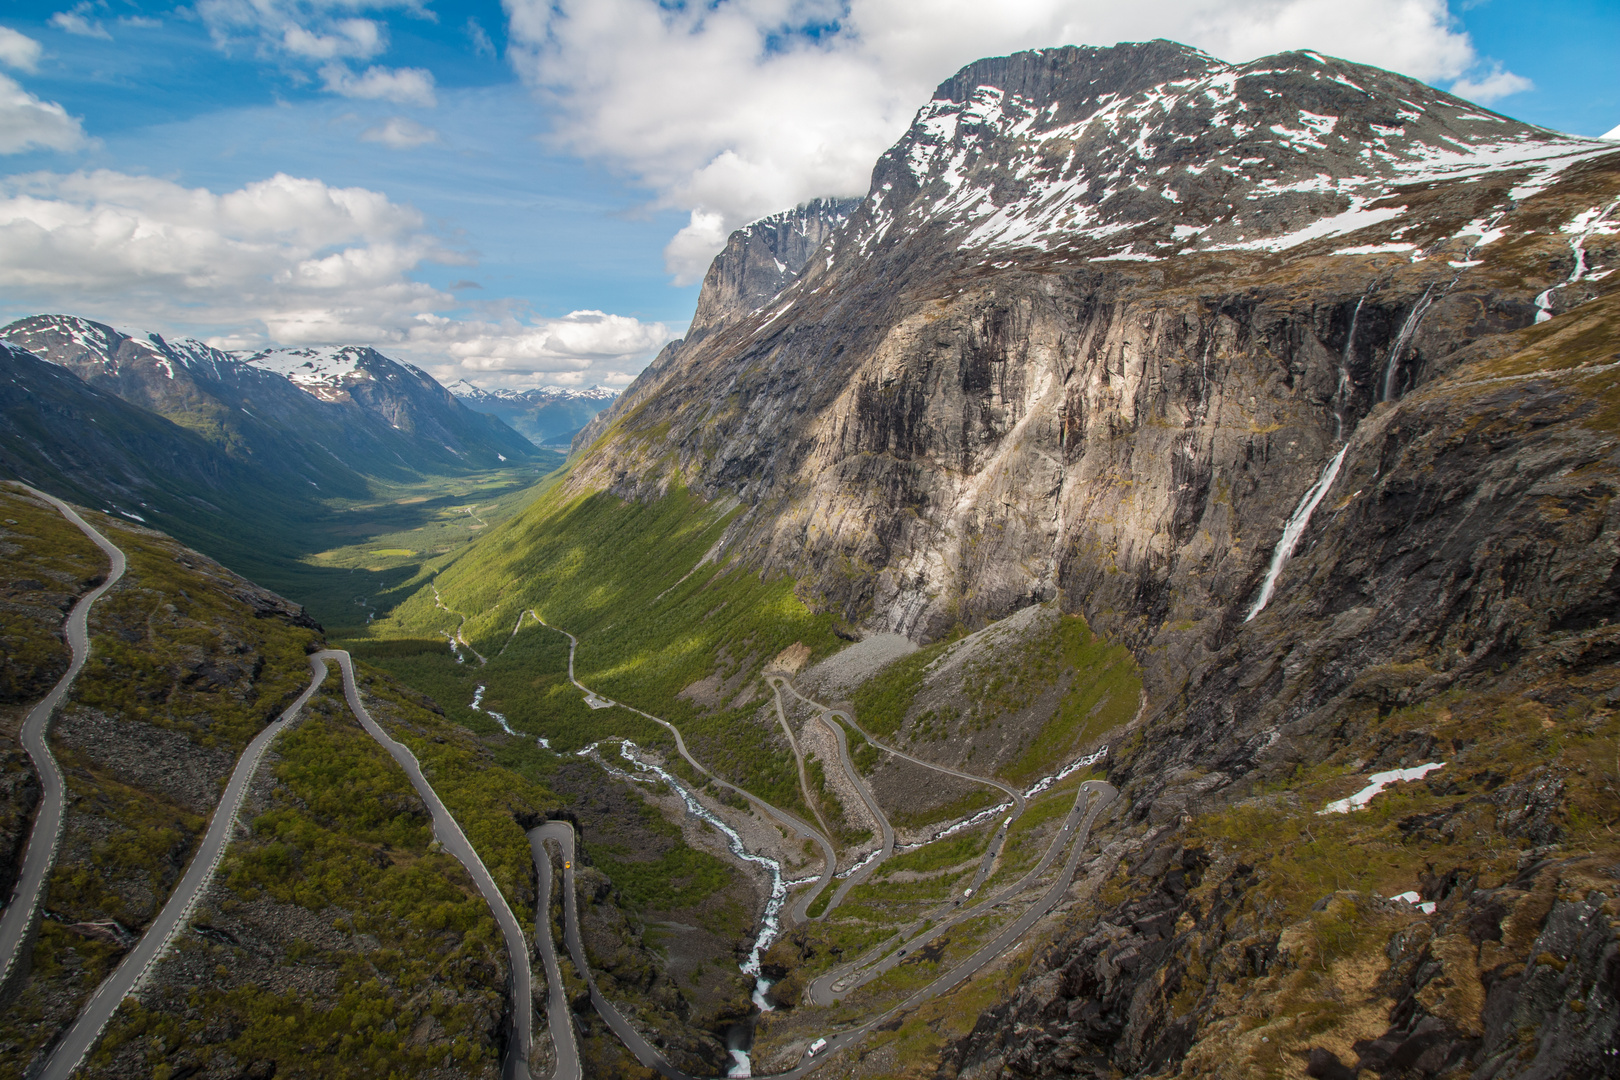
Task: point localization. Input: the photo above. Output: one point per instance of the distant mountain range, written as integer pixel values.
(232, 453)
(547, 415)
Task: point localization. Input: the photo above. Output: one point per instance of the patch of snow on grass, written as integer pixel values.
(1378, 782)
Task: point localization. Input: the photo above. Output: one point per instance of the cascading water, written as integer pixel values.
(1404, 338)
(1341, 393)
(1578, 245)
(477, 706)
(1295, 528)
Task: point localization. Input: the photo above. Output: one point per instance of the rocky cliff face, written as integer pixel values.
(1298, 378)
(762, 259)
(943, 421)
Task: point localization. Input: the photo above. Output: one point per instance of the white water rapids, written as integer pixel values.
(1295, 528)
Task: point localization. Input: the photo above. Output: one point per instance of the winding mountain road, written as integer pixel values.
(562, 834)
(137, 964)
(21, 916)
(559, 1016)
(798, 911)
(133, 970)
(1093, 796)
(832, 985)
(449, 834)
(859, 784)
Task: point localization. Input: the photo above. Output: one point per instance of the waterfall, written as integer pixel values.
(1587, 226)
(1295, 528)
(1408, 328)
(1341, 393)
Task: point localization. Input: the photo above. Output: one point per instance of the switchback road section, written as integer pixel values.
(137, 964)
(21, 916)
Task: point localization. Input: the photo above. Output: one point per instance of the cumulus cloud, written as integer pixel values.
(308, 261)
(333, 33)
(1491, 85)
(563, 349)
(403, 86)
(18, 50)
(400, 133)
(360, 39)
(287, 261)
(27, 123)
(737, 108)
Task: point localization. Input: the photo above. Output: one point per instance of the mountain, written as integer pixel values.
(546, 415)
(1294, 381)
(332, 416)
(1067, 243)
(762, 258)
(264, 462)
(60, 433)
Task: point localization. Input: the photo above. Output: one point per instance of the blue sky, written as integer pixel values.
(548, 178)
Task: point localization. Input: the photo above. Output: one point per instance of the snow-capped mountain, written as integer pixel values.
(1163, 150)
(334, 416)
(545, 415)
(539, 395)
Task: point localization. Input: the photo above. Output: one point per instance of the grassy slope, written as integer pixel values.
(173, 650)
(623, 577)
(413, 945)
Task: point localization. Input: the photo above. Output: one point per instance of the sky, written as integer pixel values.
(527, 192)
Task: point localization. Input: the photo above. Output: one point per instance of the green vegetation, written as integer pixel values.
(883, 701)
(45, 563)
(178, 661)
(625, 578)
(485, 800)
(1104, 692)
(346, 840)
(951, 851)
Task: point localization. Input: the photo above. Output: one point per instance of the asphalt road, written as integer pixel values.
(1074, 829)
(833, 985)
(558, 1014)
(21, 916)
(132, 971)
(798, 760)
(1012, 793)
(797, 913)
(563, 834)
(885, 829)
(450, 836)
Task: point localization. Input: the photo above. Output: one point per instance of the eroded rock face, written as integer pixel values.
(977, 420)
(1104, 321)
(763, 258)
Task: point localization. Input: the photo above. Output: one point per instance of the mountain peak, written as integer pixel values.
(1141, 151)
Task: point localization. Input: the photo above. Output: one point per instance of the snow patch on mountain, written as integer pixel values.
(540, 395)
(1266, 156)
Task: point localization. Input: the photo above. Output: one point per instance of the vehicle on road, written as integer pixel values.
(817, 1047)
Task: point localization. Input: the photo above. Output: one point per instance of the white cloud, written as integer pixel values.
(78, 21)
(140, 22)
(18, 50)
(403, 86)
(729, 111)
(27, 123)
(400, 133)
(284, 261)
(333, 33)
(578, 342)
(1491, 85)
(481, 43)
(358, 38)
(308, 261)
